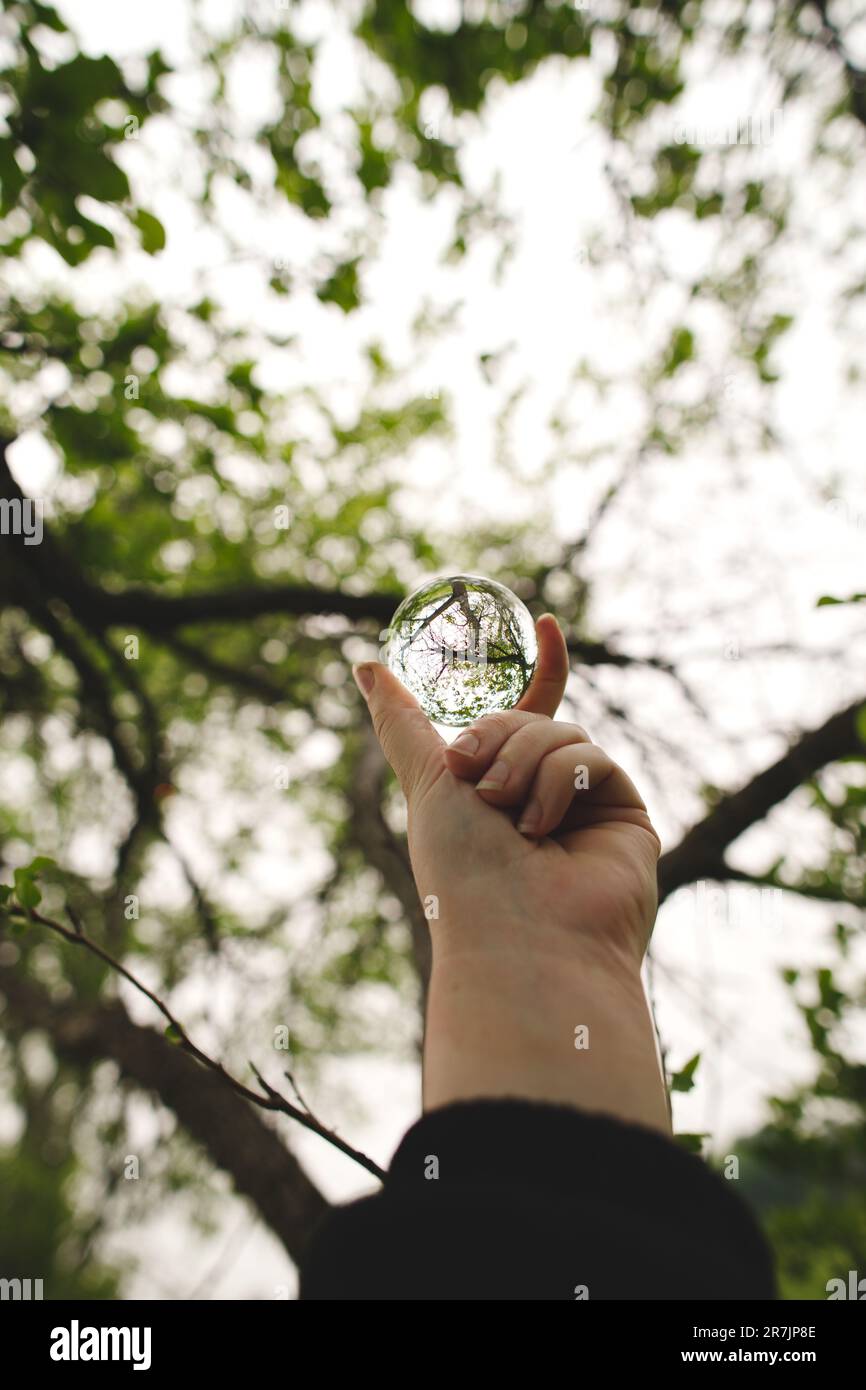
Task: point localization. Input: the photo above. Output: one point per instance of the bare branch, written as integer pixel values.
(701, 851)
(235, 1138)
(272, 1100)
(258, 683)
(804, 888)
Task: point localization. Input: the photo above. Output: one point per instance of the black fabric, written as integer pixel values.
(538, 1201)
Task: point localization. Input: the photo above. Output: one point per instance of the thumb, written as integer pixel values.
(406, 735)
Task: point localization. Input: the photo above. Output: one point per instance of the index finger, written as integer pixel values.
(544, 693)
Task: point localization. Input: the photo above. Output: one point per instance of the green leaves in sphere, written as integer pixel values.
(464, 646)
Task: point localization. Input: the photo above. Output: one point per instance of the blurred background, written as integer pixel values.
(302, 304)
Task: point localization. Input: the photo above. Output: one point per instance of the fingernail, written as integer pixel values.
(496, 778)
(466, 743)
(364, 679)
(531, 819)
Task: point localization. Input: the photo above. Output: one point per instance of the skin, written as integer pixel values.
(542, 925)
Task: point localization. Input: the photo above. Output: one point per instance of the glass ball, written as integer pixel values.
(464, 646)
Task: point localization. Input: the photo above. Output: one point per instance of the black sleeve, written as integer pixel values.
(515, 1199)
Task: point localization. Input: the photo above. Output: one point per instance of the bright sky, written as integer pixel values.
(704, 557)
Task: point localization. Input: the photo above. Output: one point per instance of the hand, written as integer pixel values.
(584, 874)
(537, 934)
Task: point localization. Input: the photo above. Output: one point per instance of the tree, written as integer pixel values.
(225, 536)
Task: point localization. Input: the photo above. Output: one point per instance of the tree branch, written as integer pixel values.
(821, 892)
(258, 683)
(232, 1134)
(701, 851)
(272, 1100)
(158, 613)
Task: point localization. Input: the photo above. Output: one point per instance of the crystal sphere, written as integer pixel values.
(464, 646)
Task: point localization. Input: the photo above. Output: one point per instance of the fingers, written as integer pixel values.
(581, 777)
(544, 693)
(406, 735)
(553, 771)
(509, 748)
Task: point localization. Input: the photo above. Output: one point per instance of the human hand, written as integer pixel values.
(538, 934)
(583, 876)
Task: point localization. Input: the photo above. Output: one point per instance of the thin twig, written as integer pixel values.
(271, 1100)
(294, 1085)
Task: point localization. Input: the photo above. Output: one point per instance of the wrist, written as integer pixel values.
(468, 942)
(551, 1018)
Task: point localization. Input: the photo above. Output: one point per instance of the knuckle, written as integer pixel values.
(493, 726)
(502, 724)
(656, 842)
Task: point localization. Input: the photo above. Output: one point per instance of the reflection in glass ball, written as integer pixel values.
(464, 646)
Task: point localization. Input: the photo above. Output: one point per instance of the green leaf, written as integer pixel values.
(826, 599)
(86, 169)
(26, 891)
(73, 88)
(342, 286)
(173, 1033)
(375, 167)
(709, 207)
(41, 862)
(49, 17)
(754, 196)
(152, 231)
(680, 349)
(692, 1142)
(684, 1080)
(12, 180)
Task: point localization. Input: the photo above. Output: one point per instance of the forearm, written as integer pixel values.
(554, 1025)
